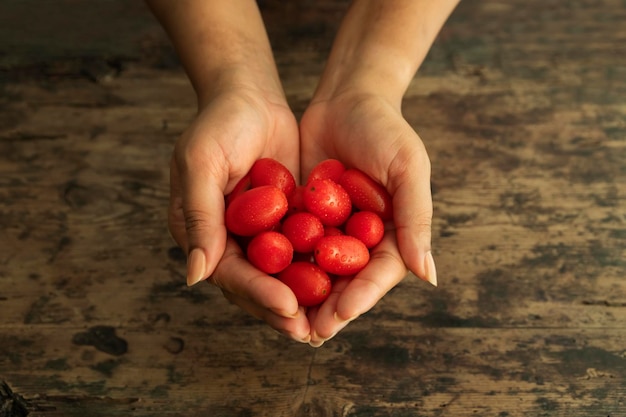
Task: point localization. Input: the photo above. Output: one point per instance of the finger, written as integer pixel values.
(351, 298)
(413, 211)
(384, 271)
(296, 328)
(234, 274)
(325, 323)
(202, 201)
(311, 314)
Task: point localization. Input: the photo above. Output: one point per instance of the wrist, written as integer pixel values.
(380, 46)
(221, 44)
(233, 78)
(355, 73)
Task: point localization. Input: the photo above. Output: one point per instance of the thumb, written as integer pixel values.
(413, 211)
(200, 231)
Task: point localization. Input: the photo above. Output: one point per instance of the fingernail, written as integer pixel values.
(315, 341)
(285, 314)
(319, 341)
(340, 320)
(196, 266)
(429, 269)
(305, 339)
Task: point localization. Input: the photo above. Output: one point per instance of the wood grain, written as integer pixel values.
(522, 106)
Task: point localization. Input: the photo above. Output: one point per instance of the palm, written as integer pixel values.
(234, 131)
(353, 132)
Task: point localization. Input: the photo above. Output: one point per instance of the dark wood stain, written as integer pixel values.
(103, 338)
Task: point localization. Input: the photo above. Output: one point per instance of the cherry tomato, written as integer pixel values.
(366, 226)
(341, 255)
(296, 200)
(328, 169)
(256, 210)
(270, 251)
(366, 194)
(268, 171)
(303, 231)
(332, 231)
(328, 201)
(309, 283)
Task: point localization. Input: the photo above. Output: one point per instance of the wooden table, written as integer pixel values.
(522, 105)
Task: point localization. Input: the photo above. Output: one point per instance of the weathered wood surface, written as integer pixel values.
(522, 105)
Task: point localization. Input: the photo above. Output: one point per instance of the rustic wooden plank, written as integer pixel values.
(525, 121)
(434, 370)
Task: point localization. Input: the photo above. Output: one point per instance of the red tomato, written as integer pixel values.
(303, 231)
(341, 255)
(271, 252)
(256, 210)
(366, 226)
(268, 171)
(328, 201)
(296, 200)
(332, 231)
(328, 169)
(366, 194)
(309, 283)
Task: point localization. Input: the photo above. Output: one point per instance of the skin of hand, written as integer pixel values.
(355, 116)
(242, 116)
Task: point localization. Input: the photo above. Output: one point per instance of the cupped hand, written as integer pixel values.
(368, 132)
(229, 134)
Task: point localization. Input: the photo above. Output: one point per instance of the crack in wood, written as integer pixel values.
(604, 303)
(11, 404)
(308, 379)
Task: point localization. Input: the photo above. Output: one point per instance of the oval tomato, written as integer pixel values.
(366, 194)
(328, 201)
(309, 283)
(268, 171)
(328, 169)
(333, 231)
(270, 252)
(256, 210)
(296, 200)
(366, 226)
(341, 255)
(303, 231)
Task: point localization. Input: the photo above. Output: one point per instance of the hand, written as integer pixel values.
(233, 130)
(368, 132)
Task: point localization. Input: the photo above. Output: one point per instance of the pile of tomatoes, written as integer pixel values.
(305, 235)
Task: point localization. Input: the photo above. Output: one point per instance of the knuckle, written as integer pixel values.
(196, 221)
(421, 219)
